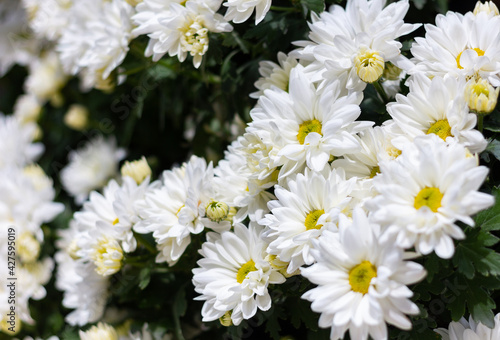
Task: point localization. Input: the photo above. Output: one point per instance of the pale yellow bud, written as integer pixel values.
(281, 266)
(369, 65)
(138, 170)
(28, 247)
(27, 108)
(217, 211)
(77, 117)
(102, 331)
(225, 320)
(107, 256)
(37, 176)
(481, 96)
(488, 7)
(391, 71)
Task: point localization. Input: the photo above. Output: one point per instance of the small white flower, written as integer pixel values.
(463, 330)
(234, 275)
(273, 74)
(179, 28)
(91, 167)
(362, 282)
(138, 170)
(422, 193)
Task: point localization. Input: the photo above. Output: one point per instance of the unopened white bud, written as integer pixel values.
(138, 170)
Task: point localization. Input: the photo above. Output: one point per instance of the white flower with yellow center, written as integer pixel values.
(437, 107)
(470, 330)
(233, 275)
(481, 96)
(362, 282)
(272, 74)
(306, 126)
(429, 187)
(179, 28)
(239, 11)
(90, 167)
(355, 43)
(461, 46)
(311, 205)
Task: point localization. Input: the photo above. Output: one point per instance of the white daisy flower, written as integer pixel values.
(90, 167)
(179, 27)
(356, 42)
(306, 126)
(362, 282)
(461, 46)
(471, 330)
(437, 106)
(429, 187)
(17, 147)
(311, 205)
(273, 74)
(239, 11)
(233, 275)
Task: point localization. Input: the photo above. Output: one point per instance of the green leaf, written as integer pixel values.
(473, 255)
(480, 304)
(317, 6)
(144, 277)
(180, 303)
(493, 148)
(489, 219)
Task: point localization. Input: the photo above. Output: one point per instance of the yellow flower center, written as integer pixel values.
(478, 51)
(244, 270)
(307, 127)
(312, 219)
(217, 211)
(369, 65)
(375, 171)
(107, 256)
(361, 276)
(115, 222)
(195, 37)
(441, 128)
(430, 197)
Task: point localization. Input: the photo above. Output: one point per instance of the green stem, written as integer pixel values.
(381, 91)
(480, 118)
(283, 9)
(140, 239)
(178, 329)
(134, 70)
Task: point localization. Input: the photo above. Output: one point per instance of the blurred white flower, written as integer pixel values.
(471, 330)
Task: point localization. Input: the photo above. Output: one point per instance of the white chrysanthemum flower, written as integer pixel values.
(356, 42)
(429, 187)
(16, 41)
(178, 27)
(48, 18)
(17, 147)
(273, 74)
(311, 205)
(100, 331)
(237, 184)
(46, 77)
(84, 289)
(463, 330)
(176, 207)
(362, 282)
(438, 107)
(96, 40)
(234, 274)
(461, 46)
(91, 167)
(306, 126)
(239, 11)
